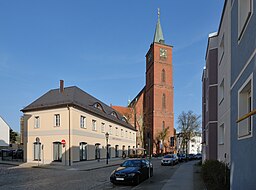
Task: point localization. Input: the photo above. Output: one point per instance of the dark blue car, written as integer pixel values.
(132, 171)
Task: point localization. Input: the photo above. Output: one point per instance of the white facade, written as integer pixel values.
(195, 144)
(4, 133)
(224, 76)
(82, 137)
(73, 131)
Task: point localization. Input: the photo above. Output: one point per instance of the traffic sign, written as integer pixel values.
(63, 141)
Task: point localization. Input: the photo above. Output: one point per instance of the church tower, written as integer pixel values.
(158, 99)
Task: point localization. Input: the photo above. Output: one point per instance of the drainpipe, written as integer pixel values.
(69, 143)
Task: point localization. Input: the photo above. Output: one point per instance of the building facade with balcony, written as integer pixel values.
(67, 125)
(224, 76)
(210, 100)
(236, 40)
(243, 89)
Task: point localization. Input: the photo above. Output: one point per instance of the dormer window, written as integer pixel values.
(124, 119)
(98, 106)
(114, 114)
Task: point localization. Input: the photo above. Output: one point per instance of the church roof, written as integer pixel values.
(74, 96)
(158, 36)
(123, 110)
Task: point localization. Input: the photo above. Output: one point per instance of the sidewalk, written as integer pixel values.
(80, 166)
(186, 177)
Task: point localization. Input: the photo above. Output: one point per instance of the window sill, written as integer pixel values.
(249, 135)
(221, 101)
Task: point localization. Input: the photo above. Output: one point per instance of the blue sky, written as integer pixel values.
(100, 47)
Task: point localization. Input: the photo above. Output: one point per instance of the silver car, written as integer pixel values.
(170, 159)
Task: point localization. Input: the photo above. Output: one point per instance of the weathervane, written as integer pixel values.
(158, 12)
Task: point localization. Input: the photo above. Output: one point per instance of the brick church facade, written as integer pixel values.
(151, 111)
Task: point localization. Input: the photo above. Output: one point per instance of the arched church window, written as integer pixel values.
(163, 101)
(163, 125)
(163, 76)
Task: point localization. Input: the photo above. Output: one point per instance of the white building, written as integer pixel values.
(4, 133)
(194, 146)
(68, 125)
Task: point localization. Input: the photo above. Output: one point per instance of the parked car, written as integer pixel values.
(170, 159)
(198, 156)
(132, 171)
(191, 156)
(181, 157)
(18, 154)
(7, 154)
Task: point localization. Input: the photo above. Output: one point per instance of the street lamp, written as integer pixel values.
(107, 136)
(186, 141)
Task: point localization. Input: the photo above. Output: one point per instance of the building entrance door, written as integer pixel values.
(57, 151)
(83, 151)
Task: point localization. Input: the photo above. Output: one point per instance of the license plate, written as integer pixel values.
(120, 179)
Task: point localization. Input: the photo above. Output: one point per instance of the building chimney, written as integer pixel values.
(61, 86)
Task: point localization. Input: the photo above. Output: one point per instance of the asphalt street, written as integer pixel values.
(43, 178)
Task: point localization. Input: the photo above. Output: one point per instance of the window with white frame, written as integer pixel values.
(37, 122)
(126, 134)
(245, 8)
(221, 91)
(94, 127)
(221, 49)
(221, 134)
(56, 120)
(102, 127)
(245, 107)
(83, 121)
(130, 135)
(122, 132)
(110, 129)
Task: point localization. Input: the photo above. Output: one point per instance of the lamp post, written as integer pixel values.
(186, 141)
(107, 136)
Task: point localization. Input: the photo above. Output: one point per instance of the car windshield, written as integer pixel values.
(132, 163)
(168, 156)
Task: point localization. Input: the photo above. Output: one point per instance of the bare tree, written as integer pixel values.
(161, 138)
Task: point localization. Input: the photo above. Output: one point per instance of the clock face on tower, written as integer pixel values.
(163, 53)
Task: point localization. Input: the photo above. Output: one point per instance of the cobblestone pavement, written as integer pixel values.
(44, 178)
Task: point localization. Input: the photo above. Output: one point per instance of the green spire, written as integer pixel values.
(158, 37)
